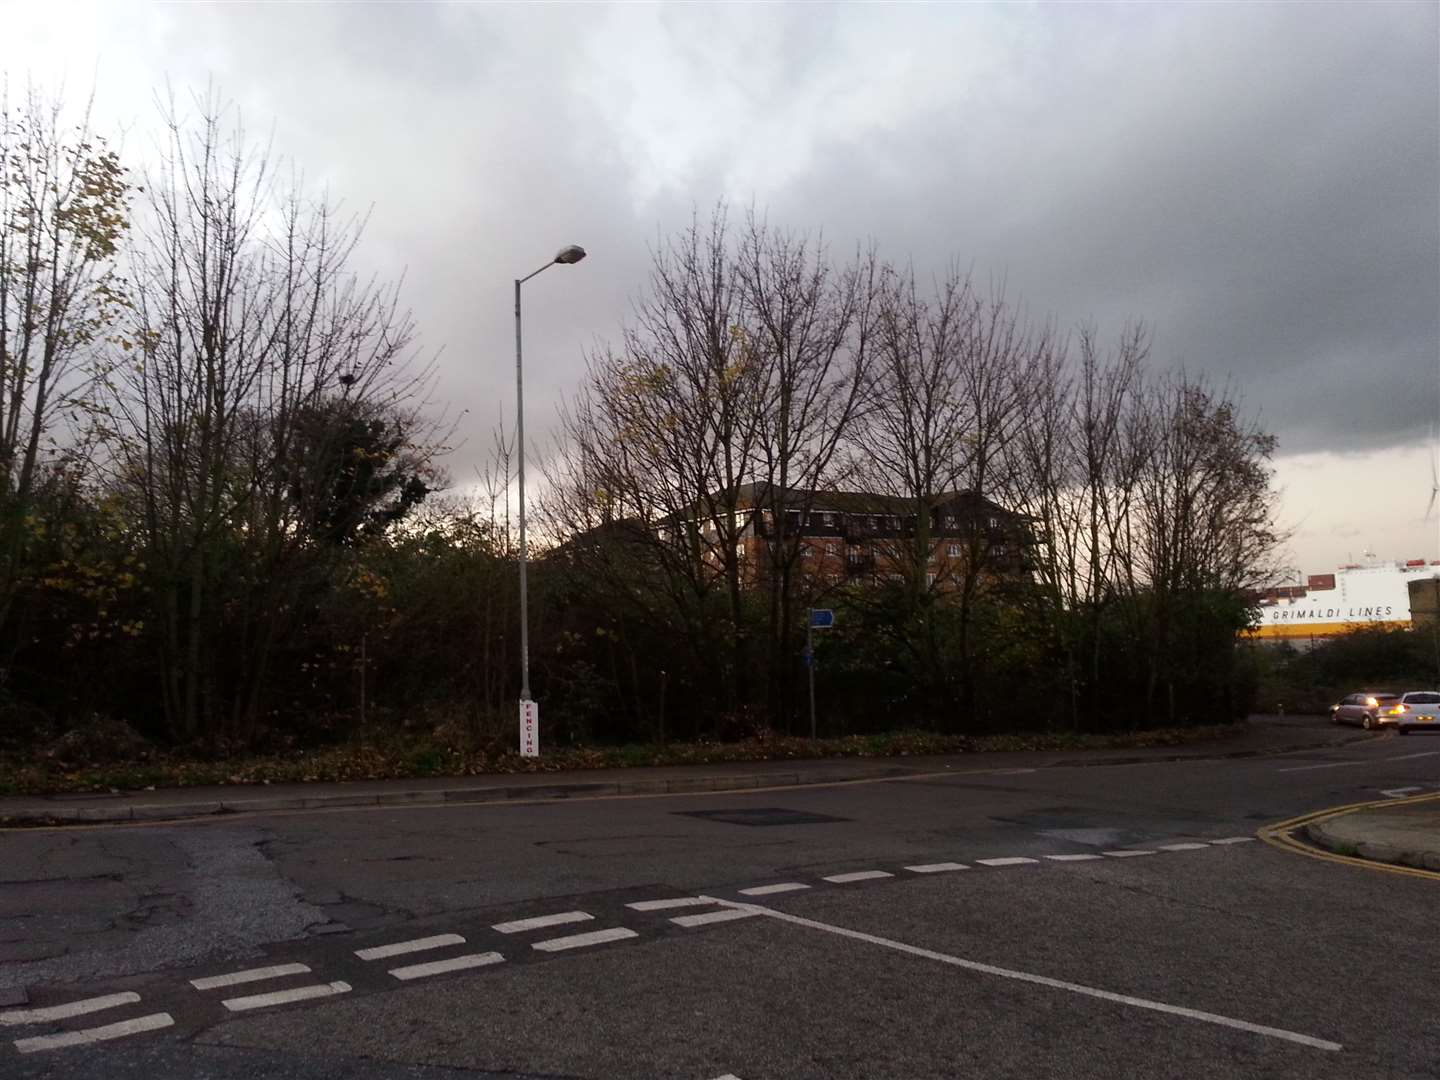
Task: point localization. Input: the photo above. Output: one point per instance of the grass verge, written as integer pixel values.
(400, 760)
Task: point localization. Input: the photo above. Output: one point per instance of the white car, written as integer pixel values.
(1418, 710)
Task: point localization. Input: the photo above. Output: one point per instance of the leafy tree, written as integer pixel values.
(64, 211)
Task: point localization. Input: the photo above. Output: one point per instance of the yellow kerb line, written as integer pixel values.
(1281, 836)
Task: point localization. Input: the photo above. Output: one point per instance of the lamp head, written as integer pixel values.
(572, 254)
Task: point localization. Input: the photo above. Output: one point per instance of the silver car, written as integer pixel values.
(1417, 710)
(1368, 708)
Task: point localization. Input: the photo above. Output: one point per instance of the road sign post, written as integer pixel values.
(529, 728)
(815, 619)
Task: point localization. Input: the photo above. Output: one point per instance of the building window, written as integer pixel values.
(953, 551)
(828, 520)
(740, 550)
(857, 554)
(805, 551)
(950, 521)
(829, 549)
(1000, 550)
(930, 578)
(994, 523)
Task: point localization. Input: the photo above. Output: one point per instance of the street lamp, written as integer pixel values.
(528, 719)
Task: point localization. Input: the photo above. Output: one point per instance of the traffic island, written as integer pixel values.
(1402, 834)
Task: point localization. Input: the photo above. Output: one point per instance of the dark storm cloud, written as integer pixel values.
(1257, 182)
(1260, 184)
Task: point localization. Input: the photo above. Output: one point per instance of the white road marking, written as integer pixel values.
(1040, 980)
(579, 941)
(400, 948)
(153, 1022)
(728, 915)
(1347, 764)
(1015, 861)
(779, 887)
(858, 875)
(936, 867)
(1399, 792)
(251, 975)
(1072, 858)
(69, 1009)
(728, 1076)
(663, 905)
(542, 921)
(1127, 853)
(285, 997)
(440, 967)
(1233, 840)
(1181, 847)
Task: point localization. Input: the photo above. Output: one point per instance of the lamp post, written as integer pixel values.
(566, 257)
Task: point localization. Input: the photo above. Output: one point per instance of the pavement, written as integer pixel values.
(1405, 834)
(1066, 918)
(1265, 735)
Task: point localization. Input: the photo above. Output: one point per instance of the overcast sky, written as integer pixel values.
(1260, 183)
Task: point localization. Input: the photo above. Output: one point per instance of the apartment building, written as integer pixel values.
(866, 536)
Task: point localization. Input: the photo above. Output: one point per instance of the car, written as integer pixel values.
(1369, 708)
(1418, 710)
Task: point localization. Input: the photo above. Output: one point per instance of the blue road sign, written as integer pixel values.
(822, 618)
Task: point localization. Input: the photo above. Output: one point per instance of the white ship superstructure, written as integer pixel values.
(1371, 594)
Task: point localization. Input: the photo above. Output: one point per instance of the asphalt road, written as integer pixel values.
(988, 923)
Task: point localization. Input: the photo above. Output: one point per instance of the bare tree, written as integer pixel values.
(811, 327)
(1203, 522)
(258, 351)
(659, 444)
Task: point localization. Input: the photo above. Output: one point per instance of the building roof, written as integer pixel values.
(864, 502)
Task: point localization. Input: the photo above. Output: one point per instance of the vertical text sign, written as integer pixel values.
(529, 729)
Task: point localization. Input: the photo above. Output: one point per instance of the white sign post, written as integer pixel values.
(529, 728)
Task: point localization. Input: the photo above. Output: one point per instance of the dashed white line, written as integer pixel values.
(1012, 861)
(579, 941)
(539, 922)
(858, 875)
(250, 975)
(1072, 858)
(400, 948)
(1041, 980)
(285, 997)
(1127, 853)
(440, 967)
(728, 915)
(153, 1022)
(936, 867)
(664, 905)
(1181, 847)
(1233, 840)
(69, 1009)
(778, 887)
